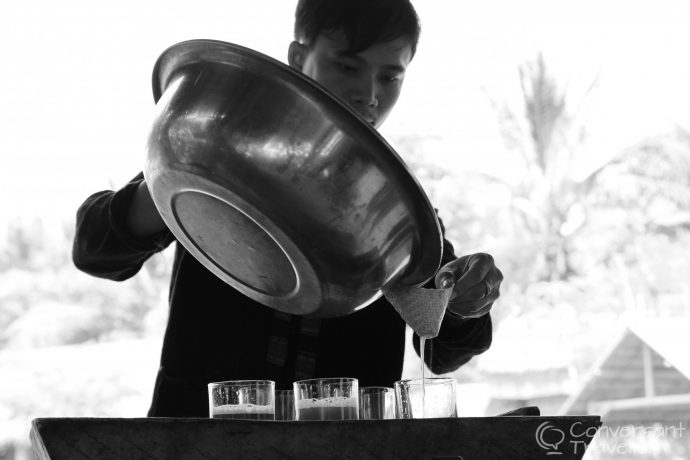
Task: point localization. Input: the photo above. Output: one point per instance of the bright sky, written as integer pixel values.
(75, 92)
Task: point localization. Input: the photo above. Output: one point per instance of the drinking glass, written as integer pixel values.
(242, 399)
(285, 405)
(376, 403)
(327, 399)
(426, 398)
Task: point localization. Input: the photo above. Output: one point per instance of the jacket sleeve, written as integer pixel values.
(102, 244)
(459, 339)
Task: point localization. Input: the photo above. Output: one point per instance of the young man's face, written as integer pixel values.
(369, 81)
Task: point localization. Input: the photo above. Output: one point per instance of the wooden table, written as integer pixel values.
(478, 438)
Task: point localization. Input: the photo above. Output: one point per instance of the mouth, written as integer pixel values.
(369, 118)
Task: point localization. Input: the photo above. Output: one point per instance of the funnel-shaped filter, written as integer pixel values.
(422, 309)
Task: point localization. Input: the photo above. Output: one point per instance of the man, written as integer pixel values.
(359, 50)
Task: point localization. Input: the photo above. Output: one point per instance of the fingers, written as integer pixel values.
(477, 287)
(481, 291)
(470, 272)
(452, 270)
(469, 310)
(473, 303)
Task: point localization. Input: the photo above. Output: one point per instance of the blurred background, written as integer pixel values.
(554, 135)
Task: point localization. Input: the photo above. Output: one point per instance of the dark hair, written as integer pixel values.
(364, 22)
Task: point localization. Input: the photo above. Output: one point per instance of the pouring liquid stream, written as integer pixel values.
(422, 343)
(423, 310)
(446, 282)
(422, 347)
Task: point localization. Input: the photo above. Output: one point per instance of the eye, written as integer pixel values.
(391, 79)
(346, 68)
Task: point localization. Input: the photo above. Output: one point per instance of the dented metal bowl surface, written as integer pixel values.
(280, 189)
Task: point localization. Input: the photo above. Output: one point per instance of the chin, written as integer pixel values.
(377, 124)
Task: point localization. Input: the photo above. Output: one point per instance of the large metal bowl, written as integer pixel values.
(280, 189)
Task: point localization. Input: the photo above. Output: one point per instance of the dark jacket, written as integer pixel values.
(216, 333)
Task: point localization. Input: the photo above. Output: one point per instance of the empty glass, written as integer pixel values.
(285, 405)
(376, 403)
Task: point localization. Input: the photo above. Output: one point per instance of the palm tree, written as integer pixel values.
(549, 196)
(658, 171)
(553, 203)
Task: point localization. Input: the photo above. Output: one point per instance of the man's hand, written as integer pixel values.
(477, 285)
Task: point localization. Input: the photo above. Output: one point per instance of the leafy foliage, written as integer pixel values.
(599, 236)
(47, 301)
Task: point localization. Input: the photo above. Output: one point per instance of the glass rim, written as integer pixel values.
(374, 387)
(241, 382)
(326, 380)
(429, 380)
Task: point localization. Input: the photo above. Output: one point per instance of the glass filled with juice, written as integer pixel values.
(242, 399)
(426, 398)
(327, 399)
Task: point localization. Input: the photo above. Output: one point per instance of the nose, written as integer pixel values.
(365, 95)
(361, 100)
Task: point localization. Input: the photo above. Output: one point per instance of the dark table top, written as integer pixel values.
(466, 438)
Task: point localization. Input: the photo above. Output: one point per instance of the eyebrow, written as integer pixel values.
(394, 68)
(391, 67)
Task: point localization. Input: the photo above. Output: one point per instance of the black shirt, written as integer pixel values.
(215, 333)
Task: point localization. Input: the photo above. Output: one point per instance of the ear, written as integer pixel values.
(297, 53)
